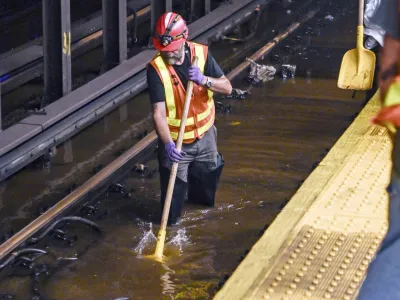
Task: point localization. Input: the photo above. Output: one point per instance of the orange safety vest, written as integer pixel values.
(201, 114)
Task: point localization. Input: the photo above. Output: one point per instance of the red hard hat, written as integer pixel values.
(170, 32)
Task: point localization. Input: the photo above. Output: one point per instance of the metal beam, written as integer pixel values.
(158, 7)
(115, 37)
(56, 48)
(1, 121)
(207, 6)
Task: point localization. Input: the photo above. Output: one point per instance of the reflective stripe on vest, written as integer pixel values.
(200, 131)
(169, 92)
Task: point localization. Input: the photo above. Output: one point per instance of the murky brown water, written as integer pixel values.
(270, 143)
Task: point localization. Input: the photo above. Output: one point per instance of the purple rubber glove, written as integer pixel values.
(172, 152)
(195, 75)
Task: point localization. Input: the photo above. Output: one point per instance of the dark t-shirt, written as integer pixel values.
(154, 82)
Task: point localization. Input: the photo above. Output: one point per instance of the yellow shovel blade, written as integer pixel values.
(357, 70)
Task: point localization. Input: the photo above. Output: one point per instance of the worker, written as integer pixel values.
(383, 276)
(200, 163)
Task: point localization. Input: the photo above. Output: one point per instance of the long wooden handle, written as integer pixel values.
(174, 169)
(361, 13)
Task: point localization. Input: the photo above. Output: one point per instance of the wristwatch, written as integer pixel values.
(208, 82)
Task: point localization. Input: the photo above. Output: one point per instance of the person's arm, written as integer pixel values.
(220, 85)
(160, 122)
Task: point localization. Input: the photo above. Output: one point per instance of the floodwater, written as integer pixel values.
(271, 141)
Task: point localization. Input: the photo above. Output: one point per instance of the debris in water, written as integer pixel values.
(288, 71)
(260, 72)
(226, 109)
(329, 17)
(237, 94)
(117, 188)
(234, 123)
(140, 168)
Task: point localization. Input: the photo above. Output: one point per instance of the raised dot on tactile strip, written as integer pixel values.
(326, 264)
(357, 279)
(362, 267)
(322, 270)
(308, 263)
(286, 266)
(296, 280)
(353, 285)
(325, 236)
(289, 292)
(317, 247)
(311, 288)
(339, 243)
(321, 242)
(350, 291)
(344, 266)
(297, 250)
(310, 230)
(327, 296)
(308, 293)
(293, 255)
(356, 245)
(346, 297)
(278, 278)
(301, 245)
(266, 297)
(342, 238)
(300, 274)
(333, 283)
(308, 235)
(359, 273)
(315, 251)
(311, 257)
(365, 262)
(282, 272)
(347, 260)
(270, 290)
(329, 259)
(290, 261)
(350, 255)
(304, 268)
(304, 240)
(319, 276)
(315, 281)
(337, 277)
(274, 283)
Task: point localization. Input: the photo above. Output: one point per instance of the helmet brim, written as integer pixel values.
(175, 45)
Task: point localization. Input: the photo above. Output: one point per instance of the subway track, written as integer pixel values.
(271, 141)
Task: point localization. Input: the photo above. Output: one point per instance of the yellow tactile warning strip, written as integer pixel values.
(337, 228)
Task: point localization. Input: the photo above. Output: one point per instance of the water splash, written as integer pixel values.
(148, 239)
(180, 239)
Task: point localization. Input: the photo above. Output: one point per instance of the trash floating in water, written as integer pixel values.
(148, 239)
(234, 123)
(329, 17)
(220, 106)
(288, 71)
(237, 94)
(140, 168)
(260, 72)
